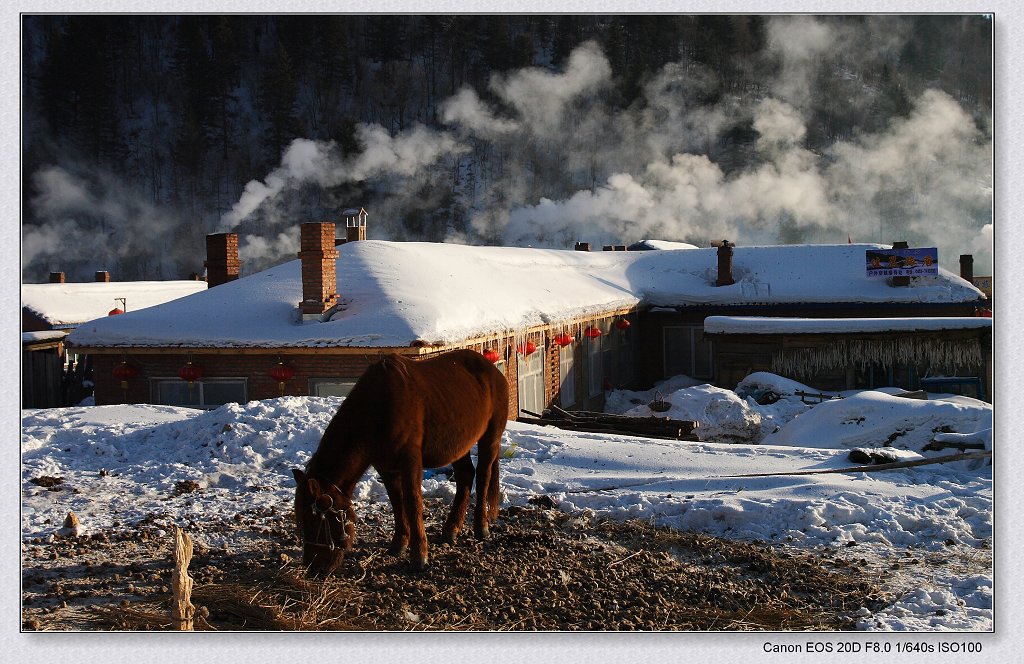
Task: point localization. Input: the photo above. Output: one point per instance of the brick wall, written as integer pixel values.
(255, 368)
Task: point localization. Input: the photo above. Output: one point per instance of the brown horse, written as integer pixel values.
(403, 416)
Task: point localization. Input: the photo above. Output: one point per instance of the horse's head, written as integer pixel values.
(326, 523)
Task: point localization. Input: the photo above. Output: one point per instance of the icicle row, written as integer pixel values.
(936, 354)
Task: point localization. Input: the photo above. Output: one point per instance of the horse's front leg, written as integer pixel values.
(400, 540)
(412, 500)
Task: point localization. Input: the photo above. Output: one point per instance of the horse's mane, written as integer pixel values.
(393, 362)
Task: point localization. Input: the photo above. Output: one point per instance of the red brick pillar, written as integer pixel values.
(222, 264)
(319, 274)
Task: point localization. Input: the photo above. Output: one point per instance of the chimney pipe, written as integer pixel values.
(319, 270)
(222, 264)
(56, 277)
(582, 246)
(967, 267)
(725, 264)
(900, 281)
(355, 224)
(103, 276)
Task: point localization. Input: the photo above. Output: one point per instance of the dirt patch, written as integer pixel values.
(540, 570)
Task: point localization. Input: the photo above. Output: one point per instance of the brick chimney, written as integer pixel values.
(103, 276)
(222, 264)
(725, 264)
(56, 277)
(355, 224)
(967, 267)
(319, 271)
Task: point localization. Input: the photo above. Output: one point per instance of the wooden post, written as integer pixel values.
(182, 610)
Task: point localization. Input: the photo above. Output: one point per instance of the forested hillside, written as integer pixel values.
(142, 133)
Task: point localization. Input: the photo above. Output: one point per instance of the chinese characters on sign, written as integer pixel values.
(902, 262)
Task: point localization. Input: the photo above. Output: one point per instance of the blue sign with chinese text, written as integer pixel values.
(917, 262)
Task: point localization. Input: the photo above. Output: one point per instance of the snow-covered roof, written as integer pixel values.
(70, 304)
(770, 325)
(643, 245)
(398, 293)
(45, 335)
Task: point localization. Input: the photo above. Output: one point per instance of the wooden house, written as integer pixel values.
(563, 326)
(53, 376)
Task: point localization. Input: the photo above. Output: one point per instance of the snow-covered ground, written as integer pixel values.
(123, 463)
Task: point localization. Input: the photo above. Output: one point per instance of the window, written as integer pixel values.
(206, 393)
(531, 382)
(567, 375)
(330, 387)
(687, 352)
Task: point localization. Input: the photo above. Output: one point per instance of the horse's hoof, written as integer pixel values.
(397, 550)
(482, 533)
(418, 564)
(448, 536)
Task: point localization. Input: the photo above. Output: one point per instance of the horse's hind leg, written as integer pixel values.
(488, 451)
(412, 499)
(400, 541)
(463, 486)
(493, 494)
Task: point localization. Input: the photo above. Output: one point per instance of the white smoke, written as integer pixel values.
(540, 98)
(303, 161)
(94, 221)
(405, 154)
(800, 42)
(257, 251)
(552, 162)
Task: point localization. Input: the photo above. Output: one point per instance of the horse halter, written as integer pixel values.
(323, 514)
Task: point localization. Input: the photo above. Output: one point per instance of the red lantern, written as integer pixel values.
(190, 372)
(527, 348)
(622, 324)
(563, 340)
(592, 332)
(124, 372)
(282, 373)
(115, 311)
(492, 355)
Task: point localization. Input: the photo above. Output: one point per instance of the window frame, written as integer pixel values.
(315, 383)
(198, 388)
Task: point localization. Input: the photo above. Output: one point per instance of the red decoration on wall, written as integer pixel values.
(527, 349)
(592, 332)
(190, 372)
(282, 373)
(622, 324)
(124, 372)
(563, 339)
(492, 355)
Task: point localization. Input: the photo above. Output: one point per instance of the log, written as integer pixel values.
(873, 469)
(182, 610)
